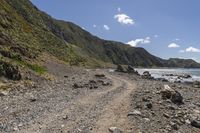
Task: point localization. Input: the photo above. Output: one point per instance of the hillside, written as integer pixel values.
(26, 33)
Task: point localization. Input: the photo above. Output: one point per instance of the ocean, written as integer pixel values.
(161, 73)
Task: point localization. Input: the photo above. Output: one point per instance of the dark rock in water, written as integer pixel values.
(147, 75)
(177, 81)
(196, 84)
(195, 123)
(168, 75)
(162, 79)
(127, 69)
(177, 98)
(9, 71)
(131, 69)
(121, 68)
(187, 76)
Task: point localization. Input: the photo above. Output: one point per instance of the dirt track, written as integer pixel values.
(58, 107)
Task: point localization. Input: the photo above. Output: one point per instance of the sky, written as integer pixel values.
(166, 28)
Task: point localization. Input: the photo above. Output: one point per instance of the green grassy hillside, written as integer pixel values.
(26, 33)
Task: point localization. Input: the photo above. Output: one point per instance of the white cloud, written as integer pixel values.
(136, 42)
(83, 28)
(173, 45)
(119, 9)
(182, 51)
(192, 50)
(156, 36)
(124, 19)
(177, 39)
(106, 27)
(94, 26)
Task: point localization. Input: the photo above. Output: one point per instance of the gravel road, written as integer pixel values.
(75, 101)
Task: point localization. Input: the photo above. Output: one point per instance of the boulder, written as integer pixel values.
(167, 92)
(195, 123)
(121, 68)
(9, 71)
(177, 98)
(187, 76)
(196, 84)
(162, 79)
(147, 75)
(131, 69)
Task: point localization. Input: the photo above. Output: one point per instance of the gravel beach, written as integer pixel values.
(97, 101)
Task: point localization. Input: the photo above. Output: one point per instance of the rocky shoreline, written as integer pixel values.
(160, 106)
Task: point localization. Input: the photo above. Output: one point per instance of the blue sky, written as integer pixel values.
(166, 28)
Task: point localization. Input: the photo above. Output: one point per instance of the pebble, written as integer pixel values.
(3, 93)
(195, 123)
(65, 117)
(115, 130)
(135, 112)
(166, 115)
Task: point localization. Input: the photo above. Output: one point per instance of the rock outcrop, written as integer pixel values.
(9, 71)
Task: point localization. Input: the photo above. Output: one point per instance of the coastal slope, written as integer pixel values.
(34, 32)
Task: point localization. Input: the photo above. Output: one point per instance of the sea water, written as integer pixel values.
(161, 73)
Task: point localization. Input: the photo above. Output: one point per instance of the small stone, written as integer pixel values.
(174, 125)
(15, 128)
(195, 123)
(62, 126)
(187, 122)
(166, 115)
(65, 117)
(115, 130)
(135, 112)
(149, 105)
(147, 119)
(20, 125)
(75, 86)
(3, 93)
(100, 75)
(33, 99)
(171, 107)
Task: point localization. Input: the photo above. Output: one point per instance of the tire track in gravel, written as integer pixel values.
(95, 112)
(115, 113)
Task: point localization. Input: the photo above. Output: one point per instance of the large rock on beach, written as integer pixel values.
(174, 96)
(121, 68)
(196, 84)
(147, 75)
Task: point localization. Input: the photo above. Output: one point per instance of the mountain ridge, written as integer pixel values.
(39, 32)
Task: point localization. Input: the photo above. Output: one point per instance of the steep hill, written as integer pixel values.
(26, 33)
